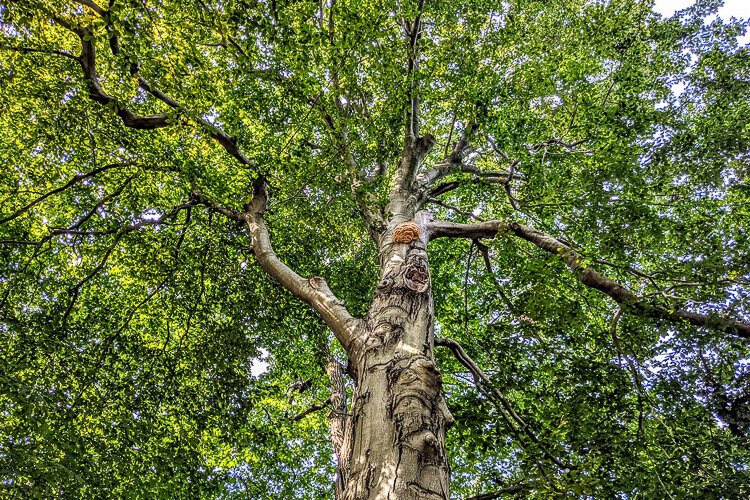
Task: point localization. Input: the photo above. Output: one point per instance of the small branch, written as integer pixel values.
(510, 490)
(631, 365)
(28, 50)
(75, 291)
(105, 199)
(496, 149)
(312, 409)
(488, 264)
(367, 202)
(120, 231)
(20, 242)
(503, 176)
(480, 177)
(468, 215)
(106, 346)
(491, 496)
(92, 6)
(445, 187)
(631, 270)
(535, 148)
(485, 386)
(511, 199)
(730, 406)
(75, 180)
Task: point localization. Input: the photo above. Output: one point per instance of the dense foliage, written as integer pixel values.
(135, 323)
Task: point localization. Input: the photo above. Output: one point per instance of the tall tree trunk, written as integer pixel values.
(398, 415)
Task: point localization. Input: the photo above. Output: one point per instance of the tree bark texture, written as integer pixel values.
(398, 415)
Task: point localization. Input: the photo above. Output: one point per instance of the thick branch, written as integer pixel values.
(413, 31)
(87, 60)
(630, 302)
(588, 275)
(402, 200)
(489, 229)
(313, 291)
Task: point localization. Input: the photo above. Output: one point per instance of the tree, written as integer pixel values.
(530, 217)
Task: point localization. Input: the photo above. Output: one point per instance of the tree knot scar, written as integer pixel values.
(415, 272)
(317, 282)
(406, 232)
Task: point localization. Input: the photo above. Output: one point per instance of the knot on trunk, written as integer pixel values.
(415, 272)
(406, 273)
(317, 283)
(415, 386)
(424, 145)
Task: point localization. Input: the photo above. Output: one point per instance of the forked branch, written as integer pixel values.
(88, 61)
(451, 163)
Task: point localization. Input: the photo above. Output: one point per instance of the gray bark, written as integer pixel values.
(398, 416)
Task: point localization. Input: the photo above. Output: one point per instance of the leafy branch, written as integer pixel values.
(587, 275)
(75, 180)
(88, 62)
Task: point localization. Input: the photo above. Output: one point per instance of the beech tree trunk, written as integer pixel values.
(398, 417)
(391, 442)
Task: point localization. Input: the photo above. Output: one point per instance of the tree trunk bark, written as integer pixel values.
(398, 415)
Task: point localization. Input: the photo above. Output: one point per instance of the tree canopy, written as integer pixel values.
(594, 341)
